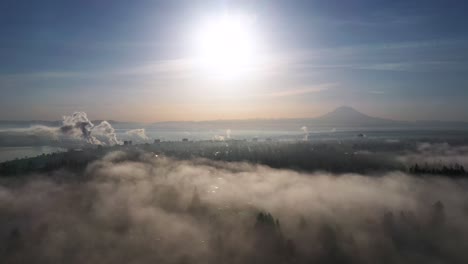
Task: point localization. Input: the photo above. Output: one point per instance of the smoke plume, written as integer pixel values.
(78, 125)
(139, 133)
(75, 129)
(306, 133)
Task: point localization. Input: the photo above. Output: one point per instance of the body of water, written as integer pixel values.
(11, 153)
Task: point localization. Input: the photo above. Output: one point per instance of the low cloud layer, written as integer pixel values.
(139, 208)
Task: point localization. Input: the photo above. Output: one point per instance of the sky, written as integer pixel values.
(137, 61)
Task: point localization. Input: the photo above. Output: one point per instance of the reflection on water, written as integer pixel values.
(11, 153)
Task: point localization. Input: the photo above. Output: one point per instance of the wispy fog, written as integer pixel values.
(139, 208)
(438, 153)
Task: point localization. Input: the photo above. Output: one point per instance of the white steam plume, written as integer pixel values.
(78, 125)
(140, 133)
(306, 133)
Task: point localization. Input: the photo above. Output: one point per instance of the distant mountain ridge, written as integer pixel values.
(341, 117)
(344, 116)
(349, 115)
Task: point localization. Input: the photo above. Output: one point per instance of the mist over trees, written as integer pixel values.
(369, 156)
(357, 200)
(302, 156)
(134, 207)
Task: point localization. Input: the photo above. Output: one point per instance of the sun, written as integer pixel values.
(226, 46)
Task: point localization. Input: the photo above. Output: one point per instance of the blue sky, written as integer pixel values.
(130, 60)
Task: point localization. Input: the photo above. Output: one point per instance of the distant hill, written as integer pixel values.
(349, 116)
(344, 116)
(28, 123)
(341, 117)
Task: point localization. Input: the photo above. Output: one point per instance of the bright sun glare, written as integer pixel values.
(226, 46)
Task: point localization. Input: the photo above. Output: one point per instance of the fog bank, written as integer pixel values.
(139, 208)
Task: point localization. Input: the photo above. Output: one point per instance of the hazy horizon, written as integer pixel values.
(322, 114)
